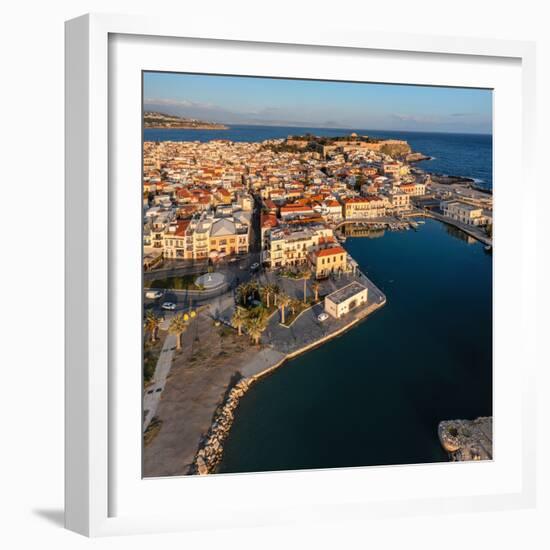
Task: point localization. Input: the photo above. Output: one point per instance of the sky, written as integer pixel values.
(319, 104)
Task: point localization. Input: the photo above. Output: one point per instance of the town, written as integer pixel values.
(246, 238)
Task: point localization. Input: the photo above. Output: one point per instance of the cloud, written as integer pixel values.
(417, 119)
(307, 116)
(268, 116)
(185, 103)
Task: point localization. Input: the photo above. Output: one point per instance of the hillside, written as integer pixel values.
(161, 120)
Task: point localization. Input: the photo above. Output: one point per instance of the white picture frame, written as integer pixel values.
(98, 497)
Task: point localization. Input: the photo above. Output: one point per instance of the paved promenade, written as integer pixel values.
(307, 330)
(194, 390)
(153, 392)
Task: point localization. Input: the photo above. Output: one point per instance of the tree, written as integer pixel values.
(294, 305)
(239, 319)
(283, 301)
(305, 276)
(178, 325)
(270, 290)
(254, 289)
(243, 291)
(275, 290)
(152, 323)
(256, 326)
(315, 286)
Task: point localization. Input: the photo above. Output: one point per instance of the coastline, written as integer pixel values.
(186, 127)
(210, 451)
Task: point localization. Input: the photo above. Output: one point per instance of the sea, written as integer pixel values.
(375, 395)
(468, 155)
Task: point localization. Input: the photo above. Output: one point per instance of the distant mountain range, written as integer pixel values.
(153, 119)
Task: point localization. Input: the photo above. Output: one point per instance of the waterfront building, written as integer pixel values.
(291, 245)
(399, 202)
(346, 299)
(465, 213)
(328, 261)
(365, 207)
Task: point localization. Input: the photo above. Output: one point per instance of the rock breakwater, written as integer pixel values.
(210, 450)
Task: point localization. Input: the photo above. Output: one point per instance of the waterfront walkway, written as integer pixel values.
(307, 331)
(153, 392)
(477, 233)
(195, 389)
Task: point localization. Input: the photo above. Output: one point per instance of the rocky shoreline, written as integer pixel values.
(210, 450)
(466, 440)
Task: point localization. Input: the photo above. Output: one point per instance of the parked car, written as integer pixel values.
(255, 266)
(153, 294)
(170, 306)
(322, 316)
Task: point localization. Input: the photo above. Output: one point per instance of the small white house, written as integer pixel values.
(345, 299)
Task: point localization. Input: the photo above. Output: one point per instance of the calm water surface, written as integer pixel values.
(375, 395)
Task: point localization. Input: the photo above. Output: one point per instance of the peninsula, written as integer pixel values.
(161, 120)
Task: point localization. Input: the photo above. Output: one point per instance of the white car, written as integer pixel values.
(322, 317)
(254, 266)
(153, 294)
(170, 306)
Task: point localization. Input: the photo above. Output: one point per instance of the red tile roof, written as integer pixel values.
(269, 220)
(182, 226)
(329, 251)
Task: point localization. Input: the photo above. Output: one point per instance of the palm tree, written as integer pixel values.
(253, 289)
(256, 326)
(239, 319)
(275, 290)
(152, 323)
(243, 290)
(284, 300)
(178, 325)
(294, 305)
(305, 276)
(315, 286)
(270, 290)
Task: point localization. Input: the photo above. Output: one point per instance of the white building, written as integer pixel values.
(346, 299)
(465, 213)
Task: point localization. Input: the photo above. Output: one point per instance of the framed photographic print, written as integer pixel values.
(293, 281)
